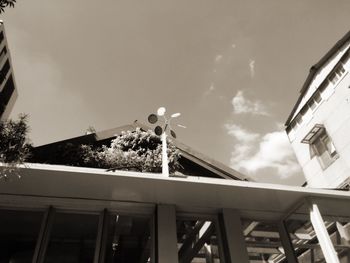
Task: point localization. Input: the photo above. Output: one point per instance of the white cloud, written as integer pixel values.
(218, 58)
(240, 133)
(254, 152)
(252, 67)
(233, 45)
(242, 105)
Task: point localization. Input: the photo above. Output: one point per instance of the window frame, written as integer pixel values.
(324, 148)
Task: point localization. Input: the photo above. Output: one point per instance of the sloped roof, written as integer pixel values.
(188, 155)
(313, 71)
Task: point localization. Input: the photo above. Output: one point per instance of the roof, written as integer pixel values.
(314, 69)
(189, 156)
(76, 187)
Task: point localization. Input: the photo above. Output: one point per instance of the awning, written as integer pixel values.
(313, 134)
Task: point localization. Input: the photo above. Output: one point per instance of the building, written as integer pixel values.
(8, 91)
(209, 214)
(319, 125)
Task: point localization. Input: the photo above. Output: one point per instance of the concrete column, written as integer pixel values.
(322, 234)
(233, 235)
(166, 234)
(286, 243)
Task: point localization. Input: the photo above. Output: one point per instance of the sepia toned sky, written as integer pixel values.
(232, 68)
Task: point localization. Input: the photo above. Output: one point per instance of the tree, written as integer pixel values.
(6, 3)
(132, 150)
(14, 145)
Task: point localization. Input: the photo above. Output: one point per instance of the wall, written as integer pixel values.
(334, 113)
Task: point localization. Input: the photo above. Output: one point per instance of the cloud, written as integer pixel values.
(254, 152)
(218, 58)
(252, 67)
(242, 105)
(233, 45)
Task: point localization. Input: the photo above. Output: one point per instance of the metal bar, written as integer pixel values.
(46, 235)
(41, 235)
(286, 243)
(100, 233)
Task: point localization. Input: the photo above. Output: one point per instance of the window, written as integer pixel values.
(324, 148)
(128, 240)
(3, 54)
(315, 100)
(336, 75)
(19, 232)
(72, 238)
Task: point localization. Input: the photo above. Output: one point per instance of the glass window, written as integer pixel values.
(2, 54)
(129, 239)
(7, 91)
(345, 58)
(299, 119)
(325, 150)
(317, 96)
(333, 78)
(198, 241)
(4, 70)
(19, 231)
(314, 100)
(72, 238)
(338, 72)
(312, 104)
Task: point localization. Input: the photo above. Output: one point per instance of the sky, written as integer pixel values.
(232, 68)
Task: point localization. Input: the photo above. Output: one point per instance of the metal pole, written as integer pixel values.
(165, 166)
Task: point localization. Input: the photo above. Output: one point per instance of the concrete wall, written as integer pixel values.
(334, 113)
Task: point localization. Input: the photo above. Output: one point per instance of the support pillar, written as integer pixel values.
(322, 234)
(166, 234)
(233, 235)
(286, 243)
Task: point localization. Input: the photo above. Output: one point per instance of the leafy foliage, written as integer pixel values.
(132, 150)
(14, 146)
(6, 3)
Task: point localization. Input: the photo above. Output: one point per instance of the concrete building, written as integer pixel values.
(8, 91)
(60, 213)
(319, 125)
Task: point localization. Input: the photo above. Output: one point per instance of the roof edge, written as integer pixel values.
(314, 69)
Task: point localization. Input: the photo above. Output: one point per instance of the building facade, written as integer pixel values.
(57, 213)
(8, 91)
(319, 124)
(208, 214)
